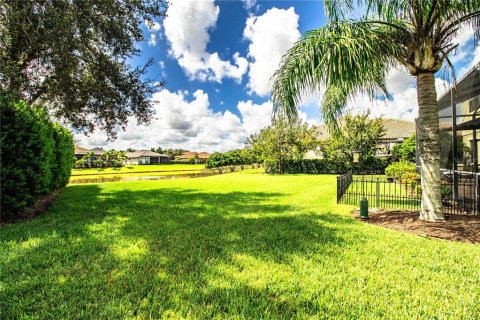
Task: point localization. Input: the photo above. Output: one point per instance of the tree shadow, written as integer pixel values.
(126, 253)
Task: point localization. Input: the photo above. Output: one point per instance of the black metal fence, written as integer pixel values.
(379, 191)
(460, 195)
(461, 192)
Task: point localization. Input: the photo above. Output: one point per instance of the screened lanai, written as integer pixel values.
(459, 117)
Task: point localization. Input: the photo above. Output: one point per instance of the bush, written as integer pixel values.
(30, 161)
(401, 170)
(230, 158)
(64, 155)
(308, 166)
(405, 150)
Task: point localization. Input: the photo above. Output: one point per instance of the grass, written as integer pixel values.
(236, 246)
(139, 168)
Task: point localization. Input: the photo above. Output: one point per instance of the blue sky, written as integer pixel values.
(217, 58)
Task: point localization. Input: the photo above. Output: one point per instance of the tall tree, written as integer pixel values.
(355, 133)
(350, 56)
(73, 56)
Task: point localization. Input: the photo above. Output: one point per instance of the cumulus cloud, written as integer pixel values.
(270, 36)
(187, 27)
(153, 40)
(255, 117)
(188, 121)
(403, 104)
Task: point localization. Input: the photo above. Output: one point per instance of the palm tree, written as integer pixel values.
(349, 56)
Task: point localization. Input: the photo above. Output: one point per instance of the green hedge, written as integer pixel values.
(309, 166)
(230, 158)
(36, 156)
(322, 166)
(64, 156)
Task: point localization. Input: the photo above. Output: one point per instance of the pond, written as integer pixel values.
(125, 178)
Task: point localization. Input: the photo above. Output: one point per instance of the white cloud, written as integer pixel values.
(403, 104)
(255, 117)
(187, 27)
(188, 122)
(161, 64)
(270, 36)
(153, 40)
(153, 26)
(249, 4)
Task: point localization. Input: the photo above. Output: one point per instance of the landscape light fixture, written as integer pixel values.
(356, 156)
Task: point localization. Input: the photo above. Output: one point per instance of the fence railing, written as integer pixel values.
(380, 192)
(461, 197)
(461, 192)
(343, 182)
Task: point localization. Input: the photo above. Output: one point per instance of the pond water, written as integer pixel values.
(124, 178)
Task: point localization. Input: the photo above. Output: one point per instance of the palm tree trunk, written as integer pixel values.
(429, 148)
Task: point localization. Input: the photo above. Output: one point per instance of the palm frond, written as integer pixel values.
(344, 57)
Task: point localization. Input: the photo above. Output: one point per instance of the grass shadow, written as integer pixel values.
(130, 252)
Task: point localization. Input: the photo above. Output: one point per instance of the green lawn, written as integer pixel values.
(238, 246)
(140, 168)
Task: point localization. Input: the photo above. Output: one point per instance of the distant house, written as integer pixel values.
(396, 131)
(146, 157)
(200, 157)
(80, 152)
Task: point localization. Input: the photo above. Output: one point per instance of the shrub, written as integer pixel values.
(43, 164)
(17, 142)
(31, 164)
(308, 166)
(405, 150)
(64, 155)
(230, 158)
(180, 161)
(401, 170)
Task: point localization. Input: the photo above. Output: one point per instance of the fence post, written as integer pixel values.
(338, 190)
(377, 194)
(478, 194)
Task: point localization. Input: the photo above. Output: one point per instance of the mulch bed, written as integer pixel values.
(41, 204)
(455, 227)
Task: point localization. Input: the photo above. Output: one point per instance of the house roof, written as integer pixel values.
(187, 155)
(83, 151)
(466, 88)
(190, 154)
(394, 129)
(79, 150)
(144, 153)
(203, 155)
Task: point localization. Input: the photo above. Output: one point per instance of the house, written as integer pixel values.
(459, 122)
(203, 156)
(200, 157)
(396, 131)
(146, 157)
(460, 125)
(80, 152)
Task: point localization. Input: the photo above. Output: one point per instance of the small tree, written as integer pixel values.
(283, 140)
(405, 150)
(356, 133)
